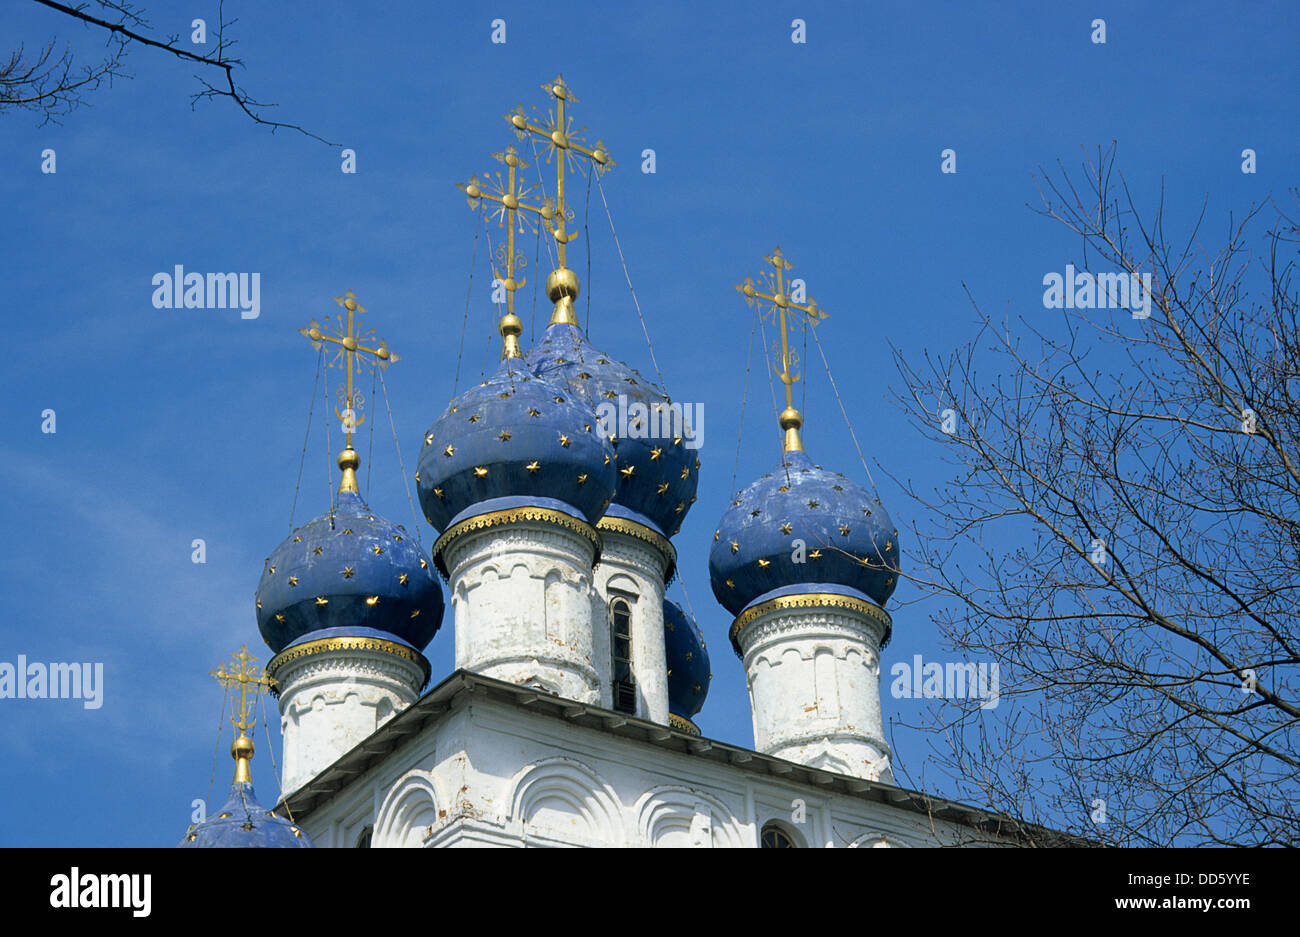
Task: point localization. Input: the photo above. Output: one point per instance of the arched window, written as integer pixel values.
(773, 837)
(620, 617)
(363, 841)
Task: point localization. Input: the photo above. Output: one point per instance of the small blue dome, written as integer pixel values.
(849, 547)
(349, 569)
(515, 439)
(658, 469)
(243, 823)
(688, 662)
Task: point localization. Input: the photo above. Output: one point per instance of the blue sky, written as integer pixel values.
(181, 424)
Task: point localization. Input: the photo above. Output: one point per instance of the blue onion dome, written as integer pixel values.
(349, 571)
(658, 461)
(688, 667)
(242, 822)
(801, 529)
(515, 440)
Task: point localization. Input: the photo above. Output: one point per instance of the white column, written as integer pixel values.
(813, 669)
(521, 601)
(336, 692)
(633, 568)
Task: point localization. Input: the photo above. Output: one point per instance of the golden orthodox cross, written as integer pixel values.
(559, 135)
(349, 346)
(511, 200)
(250, 679)
(782, 301)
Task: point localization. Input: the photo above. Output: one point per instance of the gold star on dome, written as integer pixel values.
(559, 400)
(663, 487)
(293, 581)
(812, 504)
(318, 551)
(844, 530)
(415, 613)
(690, 656)
(533, 466)
(457, 406)
(764, 564)
(755, 512)
(347, 531)
(730, 584)
(423, 563)
(837, 488)
(716, 535)
(564, 441)
(786, 528)
(815, 555)
(378, 550)
(372, 600)
(271, 570)
(607, 460)
(582, 478)
(784, 488)
(504, 436)
(428, 439)
(403, 579)
(889, 545)
(735, 547)
(279, 617)
(437, 492)
(677, 441)
(321, 600)
(533, 411)
(627, 472)
(259, 605)
(655, 453)
(297, 539)
(449, 451)
(473, 417)
(480, 471)
(610, 395)
(417, 481)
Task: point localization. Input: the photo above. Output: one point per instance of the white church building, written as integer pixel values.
(556, 487)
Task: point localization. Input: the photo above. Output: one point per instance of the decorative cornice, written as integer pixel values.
(682, 724)
(810, 600)
(326, 645)
(512, 516)
(621, 525)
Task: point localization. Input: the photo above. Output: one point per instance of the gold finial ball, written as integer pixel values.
(790, 418)
(519, 120)
(559, 92)
(349, 343)
(511, 325)
(350, 304)
(314, 334)
(512, 159)
(473, 191)
(509, 201)
(382, 354)
(561, 283)
(510, 284)
(241, 747)
(349, 459)
(599, 156)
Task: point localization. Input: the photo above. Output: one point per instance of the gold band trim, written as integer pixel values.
(621, 525)
(511, 516)
(324, 645)
(810, 600)
(682, 724)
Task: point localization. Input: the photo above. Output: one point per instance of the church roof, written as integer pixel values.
(455, 692)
